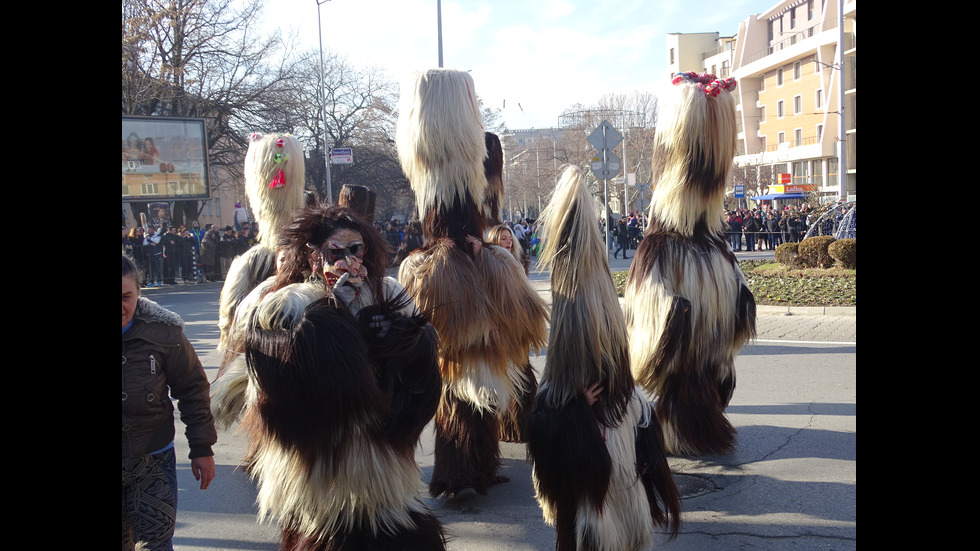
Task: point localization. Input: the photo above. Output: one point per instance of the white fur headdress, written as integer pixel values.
(694, 149)
(275, 176)
(440, 139)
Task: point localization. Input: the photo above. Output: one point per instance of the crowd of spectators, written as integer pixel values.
(755, 229)
(171, 255)
(766, 228)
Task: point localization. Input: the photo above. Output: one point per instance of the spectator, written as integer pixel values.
(154, 257)
(127, 246)
(761, 238)
(622, 238)
(735, 230)
(188, 256)
(634, 231)
(158, 361)
(393, 237)
(209, 251)
(135, 237)
(784, 227)
(227, 250)
(751, 226)
(772, 229)
(198, 233)
(245, 241)
(171, 255)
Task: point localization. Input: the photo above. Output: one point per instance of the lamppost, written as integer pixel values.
(323, 90)
(439, 28)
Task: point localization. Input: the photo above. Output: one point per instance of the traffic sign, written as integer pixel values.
(341, 156)
(605, 169)
(605, 136)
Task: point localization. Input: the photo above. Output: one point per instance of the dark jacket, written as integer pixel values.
(157, 359)
(209, 248)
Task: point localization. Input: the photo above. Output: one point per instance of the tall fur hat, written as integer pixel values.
(441, 143)
(275, 176)
(693, 151)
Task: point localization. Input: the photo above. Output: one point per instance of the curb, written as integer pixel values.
(807, 310)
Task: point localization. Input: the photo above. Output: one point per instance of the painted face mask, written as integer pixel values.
(343, 253)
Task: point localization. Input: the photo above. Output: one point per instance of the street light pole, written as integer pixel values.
(323, 90)
(439, 29)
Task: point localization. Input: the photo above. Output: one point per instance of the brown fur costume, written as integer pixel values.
(487, 315)
(600, 470)
(340, 386)
(688, 308)
(513, 419)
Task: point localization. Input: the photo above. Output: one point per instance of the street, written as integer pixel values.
(791, 483)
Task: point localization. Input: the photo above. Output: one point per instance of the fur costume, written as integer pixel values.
(513, 419)
(688, 308)
(600, 471)
(339, 384)
(486, 313)
(275, 176)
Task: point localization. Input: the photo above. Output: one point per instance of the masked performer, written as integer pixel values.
(688, 308)
(599, 465)
(274, 181)
(487, 315)
(343, 376)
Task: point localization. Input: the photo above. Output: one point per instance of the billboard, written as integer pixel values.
(164, 159)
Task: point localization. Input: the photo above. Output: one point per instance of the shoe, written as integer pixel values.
(463, 494)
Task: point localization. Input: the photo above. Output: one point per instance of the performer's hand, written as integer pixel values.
(381, 324)
(592, 393)
(475, 243)
(203, 469)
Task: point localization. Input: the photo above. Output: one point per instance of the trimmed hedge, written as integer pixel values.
(788, 255)
(844, 251)
(813, 251)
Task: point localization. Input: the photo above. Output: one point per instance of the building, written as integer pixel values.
(787, 62)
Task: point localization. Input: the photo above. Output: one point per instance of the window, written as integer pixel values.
(809, 10)
(762, 114)
(798, 70)
(671, 56)
(779, 109)
(819, 133)
(781, 138)
(798, 137)
(792, 18)
(779, 77)
(799, 172)
(797, 105)
(818, 98)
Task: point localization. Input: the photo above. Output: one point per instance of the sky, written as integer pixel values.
(532, 59)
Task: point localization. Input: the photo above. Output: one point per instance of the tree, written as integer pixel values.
(201, 58)
(633, 115)
(360, 115)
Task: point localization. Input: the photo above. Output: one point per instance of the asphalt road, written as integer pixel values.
(790, 484)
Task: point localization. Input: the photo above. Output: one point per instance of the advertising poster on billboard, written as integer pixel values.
(164, 159)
